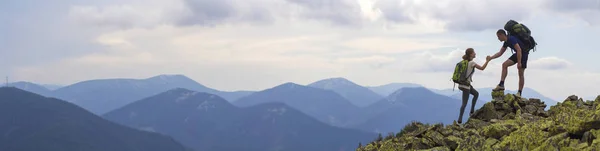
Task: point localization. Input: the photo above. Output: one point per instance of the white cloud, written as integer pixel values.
(129, 15)
(461, 15)
(341, 12)
(550, 63)
(255, 44)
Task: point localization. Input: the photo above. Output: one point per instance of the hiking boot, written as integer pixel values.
(518, 95)
(498, 88)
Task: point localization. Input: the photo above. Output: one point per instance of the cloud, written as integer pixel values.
(340, 12)
(216, 12)
(460, 15)
(128, 14)
(587, 10)
(550, 63)
(213, 12)
(428, 62)
(578, 5)
(375, 61)
(393, 10)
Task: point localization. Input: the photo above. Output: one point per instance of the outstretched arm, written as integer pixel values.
(482, 67)
(499, 53)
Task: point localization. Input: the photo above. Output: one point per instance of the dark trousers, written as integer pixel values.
(465, 100)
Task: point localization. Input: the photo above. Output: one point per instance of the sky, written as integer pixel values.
(257, 44)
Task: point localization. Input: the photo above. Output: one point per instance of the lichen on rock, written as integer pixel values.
(508, 122)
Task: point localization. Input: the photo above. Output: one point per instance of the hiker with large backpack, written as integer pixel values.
(519, 39)
(463, 73)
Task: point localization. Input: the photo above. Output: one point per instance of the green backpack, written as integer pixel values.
(460, 73)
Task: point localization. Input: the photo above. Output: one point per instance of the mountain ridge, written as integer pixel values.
(227, 127)
(356, 94)
(42, 123)
(325, 105)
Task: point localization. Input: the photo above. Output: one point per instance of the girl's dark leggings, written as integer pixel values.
(465, 100)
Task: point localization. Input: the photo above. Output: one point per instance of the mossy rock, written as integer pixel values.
(499, 130)
(436, 138)
(472, 142)
(525, 138)
(510, 123)
(440, 148)
(486, 113)
(452, 142)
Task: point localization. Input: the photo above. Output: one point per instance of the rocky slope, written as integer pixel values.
(506, 123)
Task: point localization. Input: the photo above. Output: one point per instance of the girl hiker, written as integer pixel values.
(468, 89)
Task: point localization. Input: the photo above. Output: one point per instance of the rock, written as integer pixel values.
(499, 130)
(509, 116)
(490, 142)
(494, 121)
(441, 148)
(587, 138)
(509, 123)
(498, 95)
(535, 101)
(452, 142)
(572, 98)
(472, 142)
(436, 138)
(527, 116)
(486, 113)
(543, 114)
(475, 123)
(579, 103)
(530, 109)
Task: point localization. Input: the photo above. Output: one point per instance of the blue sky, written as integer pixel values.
(257, 44)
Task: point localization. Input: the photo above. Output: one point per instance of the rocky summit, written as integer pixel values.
(508, 122)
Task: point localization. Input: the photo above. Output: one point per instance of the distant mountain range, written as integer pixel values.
(208, 122)
(334, 101)
(32, 87)
(356, 94)
(31, 122)
(325, 105)
(103, 95)
(407, 104)
(386, 90)
(330, 114)
(386, 115)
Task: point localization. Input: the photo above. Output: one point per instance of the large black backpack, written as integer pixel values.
(521, 31)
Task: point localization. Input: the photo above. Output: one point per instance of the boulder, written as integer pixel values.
(508, 122)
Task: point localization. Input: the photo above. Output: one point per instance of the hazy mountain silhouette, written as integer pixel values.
(356, 94)
(104, 95)
(324, 105)
(385, 90)
(31, 122)
(208, 122)
(406, 105)
(31, 87)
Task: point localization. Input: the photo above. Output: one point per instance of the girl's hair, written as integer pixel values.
(468, 53)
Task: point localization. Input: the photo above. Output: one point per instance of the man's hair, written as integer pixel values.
(501, 31)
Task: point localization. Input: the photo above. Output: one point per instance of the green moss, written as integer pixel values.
(487, 112)
(570, 125)
(526, 137)
(472, 142)
(499, 130)
(441, 148)
(436, 138)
